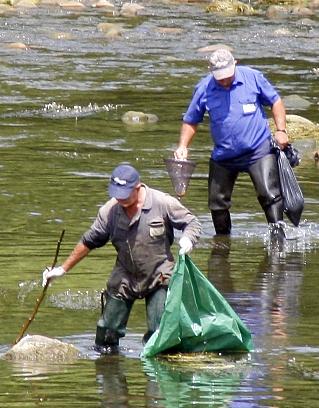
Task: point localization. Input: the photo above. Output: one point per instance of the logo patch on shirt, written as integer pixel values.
(249, 108)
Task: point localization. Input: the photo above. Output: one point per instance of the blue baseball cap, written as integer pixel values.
(123, 181)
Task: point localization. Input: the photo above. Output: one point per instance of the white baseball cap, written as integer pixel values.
(222, 64)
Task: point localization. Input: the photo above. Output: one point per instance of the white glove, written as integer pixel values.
(186, 245)
(50, 273)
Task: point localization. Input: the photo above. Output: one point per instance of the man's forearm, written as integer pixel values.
(187, 133)
(79, 252)
(279, 115)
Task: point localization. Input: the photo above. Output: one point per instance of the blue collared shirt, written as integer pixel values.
(238, 123)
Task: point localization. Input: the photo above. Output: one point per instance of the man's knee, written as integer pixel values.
(220, 186)
(265, 176)
(273, 208)
(155, 304)
(112, 323)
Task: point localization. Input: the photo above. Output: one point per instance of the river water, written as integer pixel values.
(61, 105)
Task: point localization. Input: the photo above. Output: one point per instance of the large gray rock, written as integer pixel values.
(41, 348)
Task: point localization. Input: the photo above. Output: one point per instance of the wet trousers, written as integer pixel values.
(265, 178)
(115, 314)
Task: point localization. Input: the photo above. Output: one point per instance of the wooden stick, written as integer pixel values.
(39, 300)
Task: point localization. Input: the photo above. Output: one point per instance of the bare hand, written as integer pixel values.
(281, 139)
(181, 153)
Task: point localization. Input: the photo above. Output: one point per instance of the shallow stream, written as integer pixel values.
(61, 105)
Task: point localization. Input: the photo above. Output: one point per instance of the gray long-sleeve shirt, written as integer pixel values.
(144, 258)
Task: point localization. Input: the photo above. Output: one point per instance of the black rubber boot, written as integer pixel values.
(275, 211)
(277, 236)
(112, 324)
(222, 222)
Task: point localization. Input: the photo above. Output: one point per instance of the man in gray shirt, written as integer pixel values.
(140, 223)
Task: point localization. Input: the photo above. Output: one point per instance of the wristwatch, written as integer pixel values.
(281, 130)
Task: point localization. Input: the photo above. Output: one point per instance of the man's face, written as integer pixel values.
(226, 82)
(131, 200)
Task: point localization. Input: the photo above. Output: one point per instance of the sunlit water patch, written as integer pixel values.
(54, 110)
(112, 145)
(305, 365)
(88, 300)
(59, 110)
(89, 174)
(26, 287)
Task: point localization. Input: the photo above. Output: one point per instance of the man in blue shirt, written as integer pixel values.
(234, 96)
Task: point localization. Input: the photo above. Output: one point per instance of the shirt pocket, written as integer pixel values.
(217, 109)
(156, 228)
(248, 106)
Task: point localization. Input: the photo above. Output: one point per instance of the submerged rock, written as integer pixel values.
(133, 118)
(41, 348)
(131, 9)
(277, 12)
(105, 5)
(72, 5)
(211, 48)
(26, 4)
(111, 30)
(296, 102)
(18, 46)
(284, 11)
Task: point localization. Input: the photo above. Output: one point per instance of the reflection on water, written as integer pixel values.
(212, 382)
(264, 287)
(61, 135)
(270, 299)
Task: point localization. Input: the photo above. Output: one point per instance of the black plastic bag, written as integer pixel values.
(291, 193)
(292, 155)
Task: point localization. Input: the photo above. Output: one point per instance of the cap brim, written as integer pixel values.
(223, 73)
(119, 192)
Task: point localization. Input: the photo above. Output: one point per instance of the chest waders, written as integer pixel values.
(265, 178)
